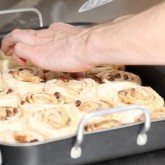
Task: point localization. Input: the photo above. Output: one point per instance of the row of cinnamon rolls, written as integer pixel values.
(38, 105)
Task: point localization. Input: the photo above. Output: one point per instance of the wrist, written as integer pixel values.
(101, 45)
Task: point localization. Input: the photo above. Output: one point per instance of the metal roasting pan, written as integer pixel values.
(85, 148)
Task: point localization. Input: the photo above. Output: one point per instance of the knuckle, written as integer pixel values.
(52, 25)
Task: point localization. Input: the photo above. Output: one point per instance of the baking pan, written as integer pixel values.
(85, 148)
(89, 147)
(80, 149)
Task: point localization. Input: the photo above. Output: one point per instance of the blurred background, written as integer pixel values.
(65, 11)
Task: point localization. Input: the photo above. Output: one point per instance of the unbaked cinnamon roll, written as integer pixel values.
(126, 93)
(55, 122)
(25, 79)
(118, 75)
(94, 71)
(93, 105)
(27, 74)
(73, 89)
(109, 89)
(24, 136)
(28, 137)
(31, 100)
(158, 113)
(102, 123)
(11, 118)
(140, 95)
(34, 74)
(155, 114)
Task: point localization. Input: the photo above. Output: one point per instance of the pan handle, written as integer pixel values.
(76, 150)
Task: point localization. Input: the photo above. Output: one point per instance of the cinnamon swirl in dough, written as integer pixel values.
(158, 113)
(108, 89)
(98, 123)
(24, 136)
(44, 100)
(155, 114)
(94, 71)
(27, 74)
(25, 79)
(93, 105)
(101, 123)
(55, 122)
(118, 75)
(73, 89)
(139, 95)
(125, 93)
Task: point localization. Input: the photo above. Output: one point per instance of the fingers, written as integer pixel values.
(24, 51)
(24, 36)
(19, 60)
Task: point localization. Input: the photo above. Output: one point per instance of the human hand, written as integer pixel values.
(57, 48)
(66, 48)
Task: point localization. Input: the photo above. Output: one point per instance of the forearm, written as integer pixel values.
(139, 39)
